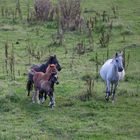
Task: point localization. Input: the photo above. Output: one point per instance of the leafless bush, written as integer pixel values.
(12, 63)
(18, 9)
(43, 10)
(80, 48)
(115, 11)
(34, 53)
(90, 27)
(126, 59)
(105, 35)
(90, 85)
(70, 11)
(2, 11)
(6, 56)
(9, 60)
(58, 37)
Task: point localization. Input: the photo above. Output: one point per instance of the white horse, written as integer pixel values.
(111, 72)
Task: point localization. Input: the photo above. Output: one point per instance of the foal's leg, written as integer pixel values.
(107, 90)
(41, 98)
(45, 96)
(52, 100)
(40, 95)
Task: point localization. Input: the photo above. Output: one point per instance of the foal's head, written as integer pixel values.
(54, 79)
(118, 61)
(51, 69)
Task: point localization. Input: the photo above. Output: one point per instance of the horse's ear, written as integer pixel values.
(116, 54)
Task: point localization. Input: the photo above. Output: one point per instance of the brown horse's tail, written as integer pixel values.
(29, 86)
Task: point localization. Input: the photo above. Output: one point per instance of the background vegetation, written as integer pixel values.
(94, 31)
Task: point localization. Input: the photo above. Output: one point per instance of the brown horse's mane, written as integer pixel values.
(40, 76)
(50, 70)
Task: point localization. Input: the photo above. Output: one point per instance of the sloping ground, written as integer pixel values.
(74, 117)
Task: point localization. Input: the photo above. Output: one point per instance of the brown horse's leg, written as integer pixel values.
(37, 97)
(52, 100)
(33, 97)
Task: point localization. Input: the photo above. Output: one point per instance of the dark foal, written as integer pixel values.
(47, 89)
(41, 68)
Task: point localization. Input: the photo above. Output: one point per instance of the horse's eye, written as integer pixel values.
(117, 61)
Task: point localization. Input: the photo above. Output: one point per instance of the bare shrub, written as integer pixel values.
(18, 9)
(90, 27)
(43, 10)
(80, 48)
(6, 57)
(70, 11)
(105, 35)
(58, 37)
(90, 85)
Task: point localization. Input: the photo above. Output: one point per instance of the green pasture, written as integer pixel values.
(74, 117)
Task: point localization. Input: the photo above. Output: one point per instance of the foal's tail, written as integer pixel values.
(29, 86)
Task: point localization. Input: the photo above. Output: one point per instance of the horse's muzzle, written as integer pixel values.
(120, 69)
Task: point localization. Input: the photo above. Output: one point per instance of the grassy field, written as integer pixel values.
(74, 117)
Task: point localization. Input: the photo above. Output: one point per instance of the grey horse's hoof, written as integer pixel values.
(107, 98)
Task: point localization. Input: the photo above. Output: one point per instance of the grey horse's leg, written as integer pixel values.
(114, 90)
(111, 91)
(107, 90)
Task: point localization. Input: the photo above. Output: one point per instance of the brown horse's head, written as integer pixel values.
(51, 69)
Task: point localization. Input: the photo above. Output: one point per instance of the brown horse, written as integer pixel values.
(40, 68)
(39, 78)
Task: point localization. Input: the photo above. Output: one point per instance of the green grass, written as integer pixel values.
(73, 118)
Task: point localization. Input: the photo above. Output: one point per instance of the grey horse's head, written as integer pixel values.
(118, 61)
